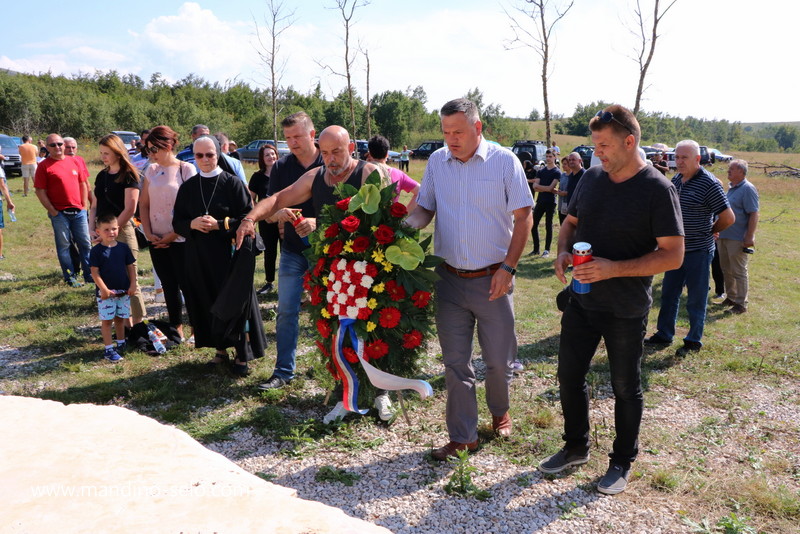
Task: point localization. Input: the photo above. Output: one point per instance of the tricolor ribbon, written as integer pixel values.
(379, 379)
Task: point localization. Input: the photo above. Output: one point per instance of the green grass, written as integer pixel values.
(757, 351)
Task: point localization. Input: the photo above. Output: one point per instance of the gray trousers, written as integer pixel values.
(462, 302)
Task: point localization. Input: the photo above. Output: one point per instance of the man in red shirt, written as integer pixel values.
(62, 189)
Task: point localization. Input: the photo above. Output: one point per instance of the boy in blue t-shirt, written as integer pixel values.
(114, 274)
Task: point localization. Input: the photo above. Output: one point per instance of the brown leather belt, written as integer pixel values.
(462, 273)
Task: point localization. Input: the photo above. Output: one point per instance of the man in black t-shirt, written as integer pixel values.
(545, 185)
(631, 217)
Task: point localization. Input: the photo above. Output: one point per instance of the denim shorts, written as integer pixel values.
(114, 307)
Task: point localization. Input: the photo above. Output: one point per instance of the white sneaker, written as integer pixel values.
(384, 406)
(545, 253)
(337, 413)
(160, 296)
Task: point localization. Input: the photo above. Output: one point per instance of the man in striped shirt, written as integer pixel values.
(706, 211)
(482, 203)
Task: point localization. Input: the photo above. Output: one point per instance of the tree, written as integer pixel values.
(786, 136)
(534, 115)
(538, 11)
(647, 45)
(578, 124)
(347, 8)
(369, 102)
(277, 20)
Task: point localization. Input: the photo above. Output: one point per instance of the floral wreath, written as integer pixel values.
(370, 279)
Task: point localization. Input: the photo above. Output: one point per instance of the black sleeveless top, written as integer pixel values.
(322, 193)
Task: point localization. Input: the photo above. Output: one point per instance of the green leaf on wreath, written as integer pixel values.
(432, 261)
(425, 243)
(344, 190)
(406, 253)
(368, 199)
(374, 178)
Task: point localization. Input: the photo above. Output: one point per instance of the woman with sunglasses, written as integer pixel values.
(218, 288)
(162, 178)
(116, 191)
(259, 183)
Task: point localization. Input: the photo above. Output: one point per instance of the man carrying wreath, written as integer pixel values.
(482, 203)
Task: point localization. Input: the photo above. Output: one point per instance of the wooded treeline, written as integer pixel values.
(88, 106)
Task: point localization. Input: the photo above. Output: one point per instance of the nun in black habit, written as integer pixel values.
(219, 293)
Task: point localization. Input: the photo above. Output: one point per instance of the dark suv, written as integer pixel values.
(426, 149)
(529, 150)
(10, 149)
(586, 152)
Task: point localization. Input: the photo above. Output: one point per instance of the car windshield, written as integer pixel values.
(282, 144)
(7, 142)
(127, 138)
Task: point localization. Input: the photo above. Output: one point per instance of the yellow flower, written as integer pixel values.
(378, 288)
(325, 249)
(324, 281)
(373, 228)
(372, 304)
(348, 246)
(378, 256)
(371, 326)
(387, 266)
(325, 313)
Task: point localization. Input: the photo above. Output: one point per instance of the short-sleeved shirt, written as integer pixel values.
(702, 198)
(112, 262)
(743, 199)
(162, 189)
(621, 221)
(404, 182)
(474, 202)
(284, 173)
(110, 194)
(259, 184)
(28, 153)
(61, 179)
(546, 178)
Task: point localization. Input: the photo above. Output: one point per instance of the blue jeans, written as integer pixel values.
(291, 269)
(76, 228)
(581, 331)
(694, 275)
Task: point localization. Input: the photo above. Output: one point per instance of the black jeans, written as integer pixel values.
(716, 273)
(271, 236)
(169, 265)
(547, 210)
(581, 331)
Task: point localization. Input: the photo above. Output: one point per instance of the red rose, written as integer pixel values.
(395, 291)
(372, 271)
(421, 298)
(324, 328)
(376, 349)
(412, 339)
(398, 210)
(384, 234)
(351, 223)
(389, 317)
(332, 230)
(343, 204)
(335, 249)
(360, 244)
(319, 266)
(364, 313)
(350, 355)
(317, 295)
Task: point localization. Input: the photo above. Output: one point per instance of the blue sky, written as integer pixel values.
(724, 59)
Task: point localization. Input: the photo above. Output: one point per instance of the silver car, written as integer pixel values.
(249, 152)
(10, 149)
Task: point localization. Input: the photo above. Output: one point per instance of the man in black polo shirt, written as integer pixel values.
(298, 130)
(702, 200)
(545, 185)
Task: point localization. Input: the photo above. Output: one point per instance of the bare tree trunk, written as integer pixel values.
(277, 21)
(369, 102)
(644, 64)
(538, 39)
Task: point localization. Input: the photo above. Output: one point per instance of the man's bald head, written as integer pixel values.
(335, 134)
(336, 149)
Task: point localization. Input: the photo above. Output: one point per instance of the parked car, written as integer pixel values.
(427, 148)
(650, 151)
(129, 138)
(669, 157)
(362, 149)
(705, 156)
(249, 152)
(719, 156)
(586, 152)
(529, 150)
(10, 149)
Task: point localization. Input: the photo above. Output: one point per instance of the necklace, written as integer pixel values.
(203, 197)
(333, 180)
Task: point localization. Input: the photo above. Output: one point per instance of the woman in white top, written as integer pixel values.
(163, 177)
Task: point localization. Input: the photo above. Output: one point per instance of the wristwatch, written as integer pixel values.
(509, 269)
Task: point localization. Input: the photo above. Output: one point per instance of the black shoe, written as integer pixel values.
(688, 346)
(268, 288)
(240, 370)
(657, 339)
(219, 359)
(562, 460)
(614, 481)
(274, 382)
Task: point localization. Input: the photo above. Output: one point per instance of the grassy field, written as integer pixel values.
(719, 435)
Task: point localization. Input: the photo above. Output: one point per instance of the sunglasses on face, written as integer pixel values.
(210, 155)
(150, 150)
(607, 116)
(53, 145)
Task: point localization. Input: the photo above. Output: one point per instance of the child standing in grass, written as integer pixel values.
(114, 274)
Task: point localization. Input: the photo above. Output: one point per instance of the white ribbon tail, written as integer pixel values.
(383, 380)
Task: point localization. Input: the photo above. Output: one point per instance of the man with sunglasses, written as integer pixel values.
(630, 215)
(62, 188)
